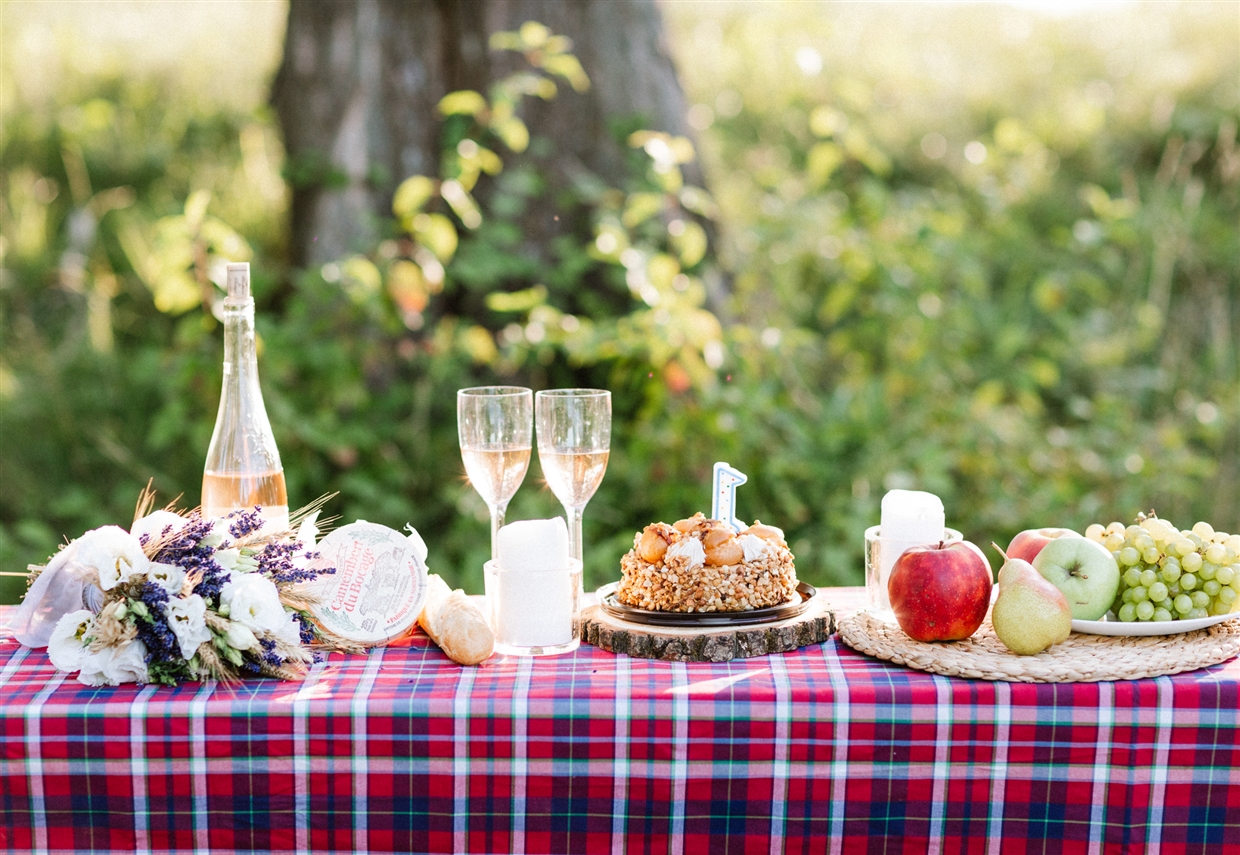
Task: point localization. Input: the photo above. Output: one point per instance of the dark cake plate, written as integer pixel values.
(609, 604)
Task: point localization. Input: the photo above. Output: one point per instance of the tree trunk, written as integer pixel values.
(355, 96)
(357, 90)
(621, 46)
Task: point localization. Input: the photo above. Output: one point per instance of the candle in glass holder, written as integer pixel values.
(909, 518)
(532, 589)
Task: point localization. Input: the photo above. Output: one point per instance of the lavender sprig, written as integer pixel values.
(275, 561)
(187, 550)
(268, 658)
(245, 522)
(306, 630)
(163, 654)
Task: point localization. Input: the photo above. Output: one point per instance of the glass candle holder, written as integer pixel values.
(534, 612)
(880, 556)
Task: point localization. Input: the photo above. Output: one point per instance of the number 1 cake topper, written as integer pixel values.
(723, 503)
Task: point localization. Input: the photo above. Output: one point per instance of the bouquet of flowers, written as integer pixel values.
(179, 597)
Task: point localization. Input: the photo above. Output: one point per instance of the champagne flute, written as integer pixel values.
(494, 425)
(574, 437)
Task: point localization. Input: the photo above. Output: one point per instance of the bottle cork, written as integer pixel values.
(238, 277)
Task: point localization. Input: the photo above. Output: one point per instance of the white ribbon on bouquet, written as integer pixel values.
(61, 588)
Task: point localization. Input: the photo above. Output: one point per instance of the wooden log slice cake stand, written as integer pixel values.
(715, 643)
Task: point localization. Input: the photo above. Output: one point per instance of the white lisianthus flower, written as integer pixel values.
(67, 645)
(240, 637)
(115, 665)
(219, 535)
(187, 619)
(235, 560)
(228, 558)
(169, 576)
(254, 602)
(153, 524)
(290, 631)
(113, 553)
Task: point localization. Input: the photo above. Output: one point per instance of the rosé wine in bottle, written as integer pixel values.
(243, 465)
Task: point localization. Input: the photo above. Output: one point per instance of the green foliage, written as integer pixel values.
(1024, 299)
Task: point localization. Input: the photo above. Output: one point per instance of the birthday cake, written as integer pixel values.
(704, 565)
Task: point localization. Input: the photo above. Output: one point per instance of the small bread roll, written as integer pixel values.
(453, 622)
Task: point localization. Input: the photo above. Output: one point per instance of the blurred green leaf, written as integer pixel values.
(360, 278)
(462, 204)
(512, 131)
(641, 207)
(699, 202)
(568, 67)
(823, 159)
(196, 209)
(436, 233)
(517, 301)
(463, 103)
(521, 83)
(533, 35)
(412, 193)
(827, 121)
(506, 41)
(691, 243)
(662, 269)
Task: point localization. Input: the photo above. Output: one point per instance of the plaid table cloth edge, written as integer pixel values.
(823, 750)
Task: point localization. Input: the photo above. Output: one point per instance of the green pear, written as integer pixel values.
(1030, 613)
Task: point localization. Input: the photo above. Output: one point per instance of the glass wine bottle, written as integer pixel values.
(243, 465)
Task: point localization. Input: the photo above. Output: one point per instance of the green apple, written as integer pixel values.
(1030, 613)
(1084, 571)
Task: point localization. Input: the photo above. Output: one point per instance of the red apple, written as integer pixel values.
(1029, 543)
(940, 592)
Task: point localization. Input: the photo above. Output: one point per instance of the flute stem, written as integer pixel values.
(574, 531)
(497, 522)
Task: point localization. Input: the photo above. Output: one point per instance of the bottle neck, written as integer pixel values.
(242, 440)
(240, 355)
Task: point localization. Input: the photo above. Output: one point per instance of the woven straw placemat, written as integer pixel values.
(1081, 659)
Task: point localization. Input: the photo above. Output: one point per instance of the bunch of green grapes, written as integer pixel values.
(1169, 574)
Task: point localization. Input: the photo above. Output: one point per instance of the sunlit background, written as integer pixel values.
(988, 250)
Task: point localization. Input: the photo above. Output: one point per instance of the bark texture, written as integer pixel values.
(621, 45)
(357, 89)
(614, 635)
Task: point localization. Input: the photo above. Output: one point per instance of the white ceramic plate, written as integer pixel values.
(1162, 627)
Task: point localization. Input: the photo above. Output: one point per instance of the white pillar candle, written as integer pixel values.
(533, 585)
(533, 545)
(909, 518)
(912, 515)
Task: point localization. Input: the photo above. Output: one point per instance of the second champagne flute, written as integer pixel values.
(494, 424)
(574, 438)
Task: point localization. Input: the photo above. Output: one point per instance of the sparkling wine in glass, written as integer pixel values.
(494, 424)
(574, 438)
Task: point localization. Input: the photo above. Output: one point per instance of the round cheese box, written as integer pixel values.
(379, 585)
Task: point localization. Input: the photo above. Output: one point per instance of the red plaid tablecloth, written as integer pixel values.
(822, 750)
